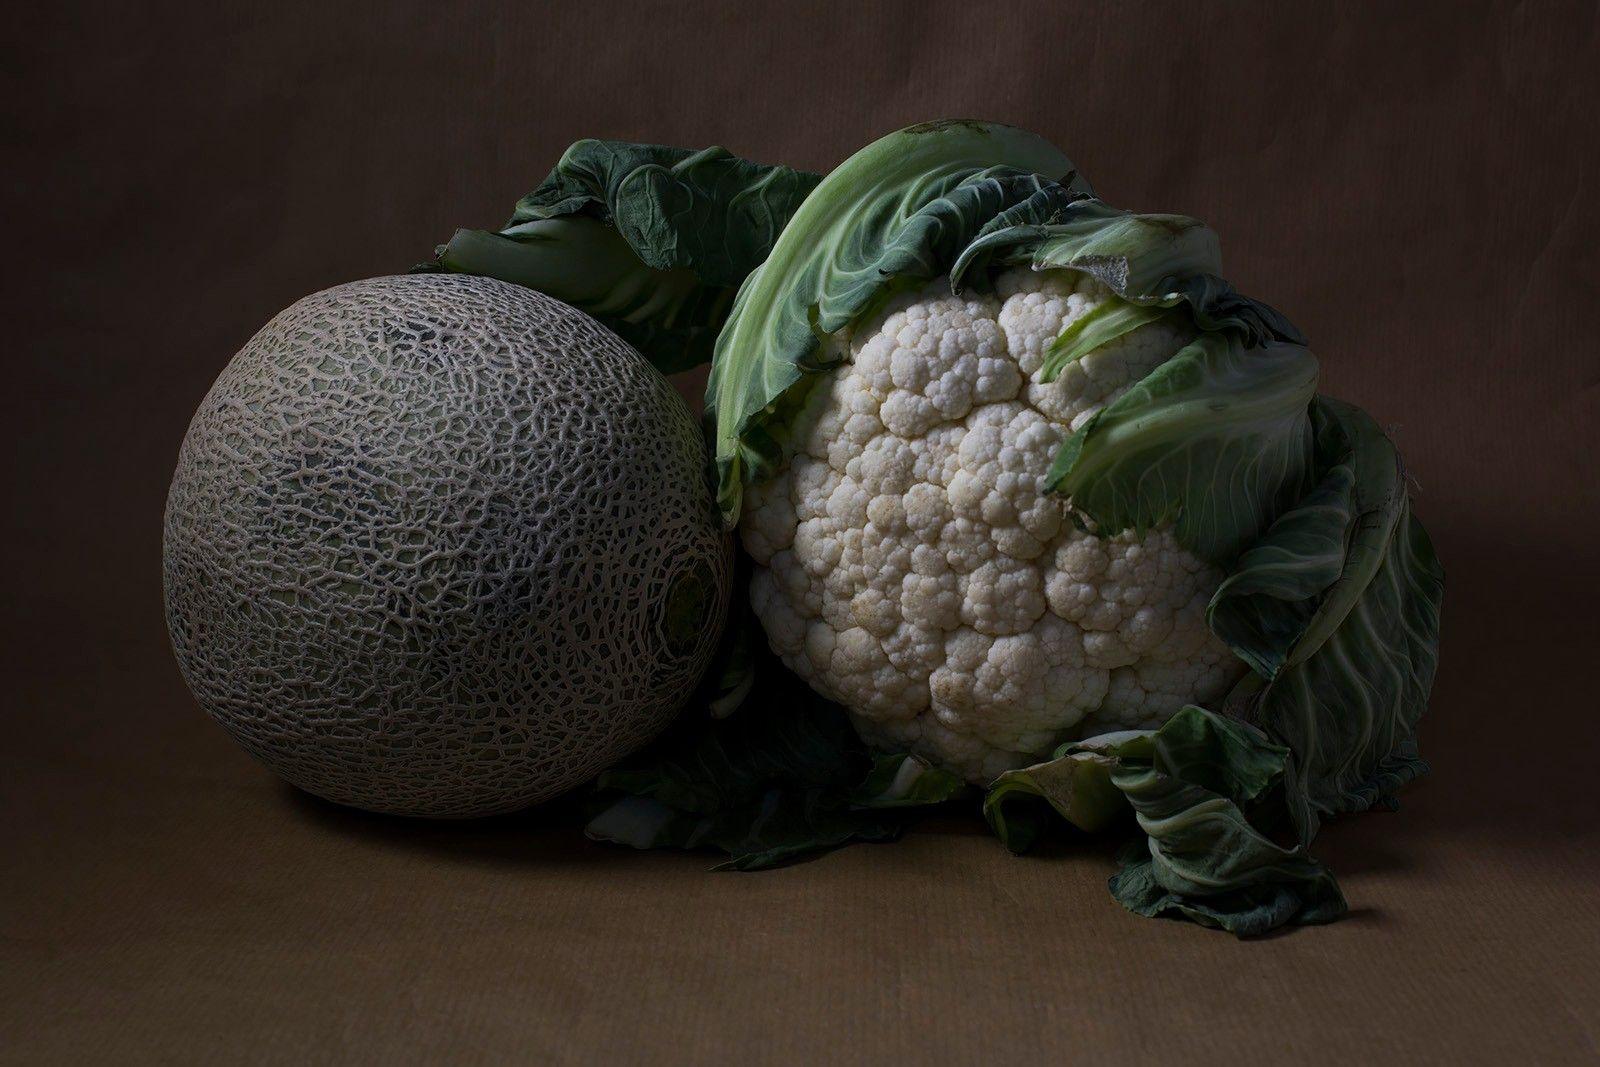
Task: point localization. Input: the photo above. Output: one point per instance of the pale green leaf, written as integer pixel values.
(896, 213)
(1217, 440)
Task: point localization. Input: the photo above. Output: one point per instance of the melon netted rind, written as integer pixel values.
(440, 545)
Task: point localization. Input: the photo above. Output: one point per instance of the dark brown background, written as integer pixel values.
(1413, 184)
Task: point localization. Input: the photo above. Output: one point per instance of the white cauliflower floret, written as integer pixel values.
(773, 518)
(911, 567)
(780, 616)
(932, 361)
(1003, 596)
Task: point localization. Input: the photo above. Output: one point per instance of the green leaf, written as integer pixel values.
(782, 736)
(1098, 328)
(668, 316)
(1226, 827)
(785, 777)
(1266, 604)
(1212, 797)
(1337, 610)
(895, 214)
(1075, 783)
(651, 241)
(906, 781)
(1217, 440)
(1154, 261)
(1132, 254)
(708, 212)
(777, 827)
(1301, 893)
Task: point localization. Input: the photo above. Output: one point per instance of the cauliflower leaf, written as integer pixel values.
(1217, 439)
(784, 778)
(651, 241)
(1223, 819)
(1336, 609)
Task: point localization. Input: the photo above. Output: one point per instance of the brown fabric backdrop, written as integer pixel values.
(1412, 184)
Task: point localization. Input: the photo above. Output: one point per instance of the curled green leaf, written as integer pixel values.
(1217, 440)
(1075, 784)
(651, 241)
(1223, 819)
(708, 211)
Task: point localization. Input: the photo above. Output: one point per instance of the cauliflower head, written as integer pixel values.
(910, 566)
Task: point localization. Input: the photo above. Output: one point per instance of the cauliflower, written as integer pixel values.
(910, 566)
(1046, 525)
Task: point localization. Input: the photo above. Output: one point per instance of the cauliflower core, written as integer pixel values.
(910, 566)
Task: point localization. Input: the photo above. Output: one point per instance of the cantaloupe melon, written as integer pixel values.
(440, 545)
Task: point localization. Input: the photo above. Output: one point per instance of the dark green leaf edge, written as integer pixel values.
(649, 240)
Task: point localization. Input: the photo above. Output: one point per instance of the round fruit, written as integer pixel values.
(440, 545)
